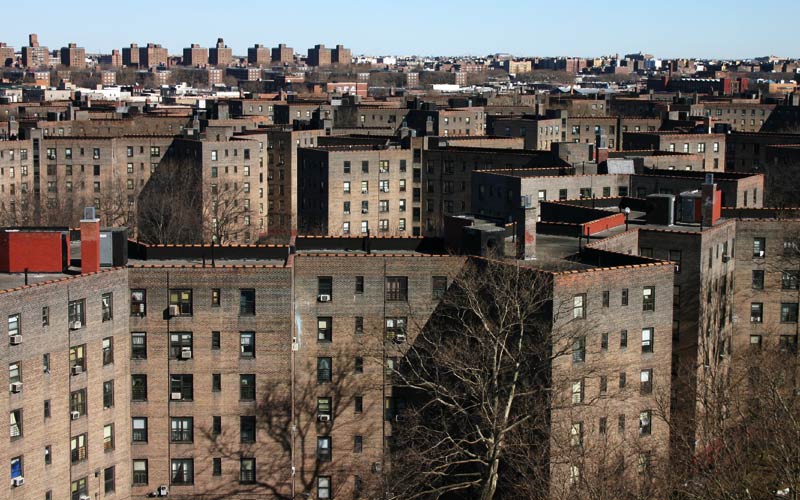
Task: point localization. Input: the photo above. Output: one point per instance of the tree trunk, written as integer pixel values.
(489, 487)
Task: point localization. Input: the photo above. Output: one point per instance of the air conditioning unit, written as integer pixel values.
(15, 387)
(85, 497)
(175, 396)
(74, 415)
(324, 418)
(141, 309)
(725, 258)
(173, 310)
(324, 297)
(75, 325)
(761, 253)
(77, 370)
(17, 481)
(295, 346)
(15, 339)
(162, 491)
(186, 353)
(400, 338)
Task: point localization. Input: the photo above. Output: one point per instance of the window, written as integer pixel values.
(579, 306)
(48, 455)
(346, 187)
(14, 373)
(577, 391)
(247, 344)
(324, 407)
(606, 298)
(646, 381)
(108, 350)
(215, 297)
(325, 286)
(140, 472)
(46, 362)
(623, 380)
(96, 153)
(247, 387)
(359, 285)
(623, 339)
(324, 487)
(675, 257)
(324, 451)
(759, 247)
(247, 302)
(46, 408)
(358, 404)
(108, 437)
(649, 298)
(15, 421)
(216, 425)
(324, 369)
(77, 359)
(108, 480)
(603, 384)
(397, 288)
(216, 466)
(576, 434)
(180, 345)
(181, 430)
(789, 312)
(604, 342)
(358, 444)
(216, 341)
(247, 470)
(138, 387)
(574, 475)
(214, 155)
(383, 206)
(789, 280)
(438, 287)
(787, 343)
(756, 312)
(755, 342)
(182, 299)
(79, 489)
(621, 424)
(346, 167)
(76, 313)
(602, 425)
(138, 345)
(182, 471)
(645, 422)
(108, 394)
(758, 280)
(324, 329)
(647, 340)
(396, 329)
(107, 301)
(579, 350)
(346, 207)
(139, 433)
(181, 387)
(624, 296)
(45, 316)
(78, 449)
(138, 302)
(364, 187)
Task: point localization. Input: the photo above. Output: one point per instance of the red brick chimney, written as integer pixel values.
(90, 242)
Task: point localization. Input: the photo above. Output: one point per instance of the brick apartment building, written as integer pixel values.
(33, 55)
(7, 56)
(220, 55)
(73, 56)
(282, 54)
(319, 56)
(195, 56)
(712, 146)
(345, 190)
(258, 55)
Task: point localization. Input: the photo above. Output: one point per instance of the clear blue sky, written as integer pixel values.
(666, 28)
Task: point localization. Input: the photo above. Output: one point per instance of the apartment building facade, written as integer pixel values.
(712, 146)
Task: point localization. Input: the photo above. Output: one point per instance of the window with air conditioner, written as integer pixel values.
(180, 345)
(181, 387)
(77, 314)
(77, 359)
(180, 302)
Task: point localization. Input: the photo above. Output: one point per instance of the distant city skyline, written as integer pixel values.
(682, 28)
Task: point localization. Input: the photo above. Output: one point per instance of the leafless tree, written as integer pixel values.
(170, 205)
(226, 212)
(477, 383)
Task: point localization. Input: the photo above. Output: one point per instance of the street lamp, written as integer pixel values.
(213, 240)
(627, 211)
